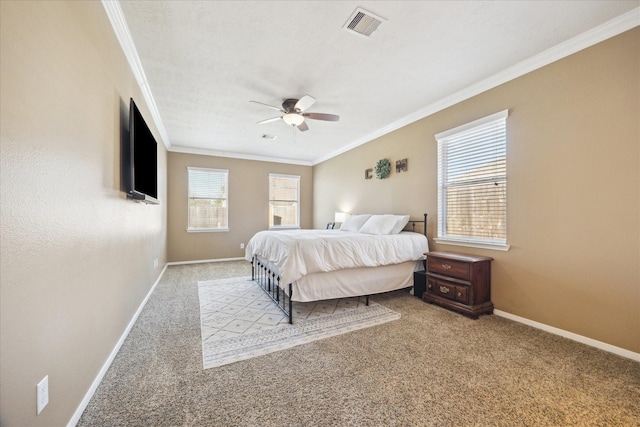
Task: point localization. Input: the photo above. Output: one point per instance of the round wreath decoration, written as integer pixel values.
(382, 169)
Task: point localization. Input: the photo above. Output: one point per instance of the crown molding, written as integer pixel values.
(589, 38)
(232, 155)
(598, 34)
(119, 24)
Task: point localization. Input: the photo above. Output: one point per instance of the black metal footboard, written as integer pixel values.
(270, 283)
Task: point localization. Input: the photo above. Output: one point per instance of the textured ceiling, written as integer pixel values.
(205, 60)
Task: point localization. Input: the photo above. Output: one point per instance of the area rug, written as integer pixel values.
(239, 321)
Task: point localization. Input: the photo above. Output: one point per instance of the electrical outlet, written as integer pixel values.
(42, 394)
(241, 245)
(155, 263)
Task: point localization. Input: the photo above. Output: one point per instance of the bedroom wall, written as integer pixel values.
(573, 189)
(248, 205)
(76, 256)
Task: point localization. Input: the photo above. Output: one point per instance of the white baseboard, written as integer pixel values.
(94, 386)
(575, 337)
(205, 260)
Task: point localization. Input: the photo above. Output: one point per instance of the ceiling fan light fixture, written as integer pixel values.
(293, 119)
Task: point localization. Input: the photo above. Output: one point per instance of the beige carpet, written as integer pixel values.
(430, 368)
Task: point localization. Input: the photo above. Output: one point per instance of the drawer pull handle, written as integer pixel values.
(429, 286)
(459, 294)
(444, 289)
(446, 266)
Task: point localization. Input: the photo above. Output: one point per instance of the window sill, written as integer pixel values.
(473, 244)
(207, 230)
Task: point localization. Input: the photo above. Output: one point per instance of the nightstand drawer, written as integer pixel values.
(448, 290)
(462, 294)
(431, 285)
(442, 289)
(449, 268)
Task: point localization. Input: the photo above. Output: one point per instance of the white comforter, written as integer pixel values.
(297, 253)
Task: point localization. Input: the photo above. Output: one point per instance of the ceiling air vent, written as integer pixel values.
(363, 23)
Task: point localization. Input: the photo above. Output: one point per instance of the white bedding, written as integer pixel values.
(354, 282)
(299, 253)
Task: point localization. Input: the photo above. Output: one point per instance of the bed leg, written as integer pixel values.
(367, 299)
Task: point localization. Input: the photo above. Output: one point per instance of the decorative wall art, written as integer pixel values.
(367, 173)
(383, 168)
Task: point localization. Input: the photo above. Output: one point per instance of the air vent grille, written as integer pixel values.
(363, 23)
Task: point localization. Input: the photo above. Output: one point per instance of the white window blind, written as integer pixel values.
(472, 182)
(284, 200)
(208, 199)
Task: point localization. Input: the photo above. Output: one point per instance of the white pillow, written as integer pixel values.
(402, 221)
(354, 222)
(379, 224)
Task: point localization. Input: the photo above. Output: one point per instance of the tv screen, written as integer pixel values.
(144, 158)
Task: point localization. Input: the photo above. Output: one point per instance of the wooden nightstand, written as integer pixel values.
(459, 282)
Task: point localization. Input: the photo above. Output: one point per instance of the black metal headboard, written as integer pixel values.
(413, 223)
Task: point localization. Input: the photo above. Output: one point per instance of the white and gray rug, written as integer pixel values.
(239, 321)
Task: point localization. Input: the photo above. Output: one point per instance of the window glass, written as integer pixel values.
(208, 199)
(472, 181)
(284, 200)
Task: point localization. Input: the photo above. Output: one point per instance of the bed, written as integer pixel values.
(369, 254)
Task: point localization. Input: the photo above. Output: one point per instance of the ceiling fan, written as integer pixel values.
(294, 112)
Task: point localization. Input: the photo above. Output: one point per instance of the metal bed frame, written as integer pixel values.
(270, 281)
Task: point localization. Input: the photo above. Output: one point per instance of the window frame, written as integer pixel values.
(207, 229)
(441, 138)
(269, 209)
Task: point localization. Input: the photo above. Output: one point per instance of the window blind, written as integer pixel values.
(208, 199)
(472, 181)
(284, 196)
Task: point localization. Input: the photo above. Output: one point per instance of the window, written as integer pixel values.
(284, 201)
(472, 184)
(208, 199)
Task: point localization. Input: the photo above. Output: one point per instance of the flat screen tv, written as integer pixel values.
(144, 158)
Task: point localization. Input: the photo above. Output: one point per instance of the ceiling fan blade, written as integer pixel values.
(269, 120)
(322, 116)
(267, 105)
(304, 103)
(303, 127)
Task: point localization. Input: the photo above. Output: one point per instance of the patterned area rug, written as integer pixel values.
(239, 321)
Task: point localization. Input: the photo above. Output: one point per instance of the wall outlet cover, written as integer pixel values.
(42, 394)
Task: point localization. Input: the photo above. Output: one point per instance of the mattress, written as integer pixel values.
(294, 254)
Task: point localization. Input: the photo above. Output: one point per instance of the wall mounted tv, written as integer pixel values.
(143, 150)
